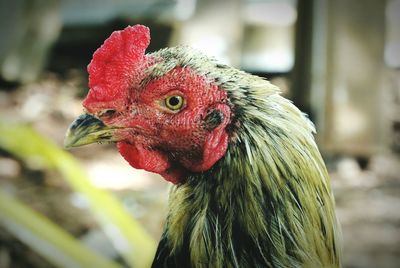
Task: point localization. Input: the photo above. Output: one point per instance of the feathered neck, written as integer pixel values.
(266, 203)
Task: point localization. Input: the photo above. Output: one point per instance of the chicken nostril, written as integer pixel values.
(107, 113)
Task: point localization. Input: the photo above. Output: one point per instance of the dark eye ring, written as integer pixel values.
(174, 102)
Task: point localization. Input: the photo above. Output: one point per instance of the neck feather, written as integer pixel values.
(266, 203)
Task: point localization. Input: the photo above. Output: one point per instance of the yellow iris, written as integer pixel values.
(174, 103)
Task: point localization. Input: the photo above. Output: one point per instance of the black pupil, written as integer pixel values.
(173, 101)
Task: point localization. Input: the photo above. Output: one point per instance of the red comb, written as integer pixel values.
(114, 64)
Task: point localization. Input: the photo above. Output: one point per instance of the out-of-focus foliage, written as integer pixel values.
(127, 235)
(45, 237)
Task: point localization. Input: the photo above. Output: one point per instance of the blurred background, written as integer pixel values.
(339, 61)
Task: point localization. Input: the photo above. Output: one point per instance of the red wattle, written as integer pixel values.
(149, 160)
(142, 158)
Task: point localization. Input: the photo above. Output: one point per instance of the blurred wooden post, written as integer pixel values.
(301, 74)
(28, 28)
(347, 69)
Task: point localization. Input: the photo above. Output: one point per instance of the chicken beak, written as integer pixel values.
(87, 129)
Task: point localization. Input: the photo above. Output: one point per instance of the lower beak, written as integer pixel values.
(87, 129)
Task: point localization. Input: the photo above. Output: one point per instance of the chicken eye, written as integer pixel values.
(174, 103)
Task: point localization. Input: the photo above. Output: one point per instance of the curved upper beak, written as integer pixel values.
(88, 129)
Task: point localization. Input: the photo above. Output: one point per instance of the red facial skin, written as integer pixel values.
(153, 137)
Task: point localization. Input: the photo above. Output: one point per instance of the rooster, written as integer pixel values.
(250, 188)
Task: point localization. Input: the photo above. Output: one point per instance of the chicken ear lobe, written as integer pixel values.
(213, 119)
(216, 142)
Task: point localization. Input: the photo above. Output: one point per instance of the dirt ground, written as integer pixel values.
(368, 200)
(368, 207)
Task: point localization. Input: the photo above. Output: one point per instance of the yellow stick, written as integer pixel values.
(127, 235)
(46, 238)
